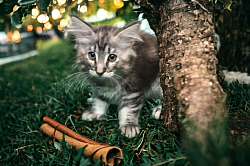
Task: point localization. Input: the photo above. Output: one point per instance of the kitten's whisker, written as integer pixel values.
(72, 59)
(75, 81)
(67, 80)
(75, 76)
(79, 81)
(82, 81)
(70, 76)
(74, 66)
(81, 78)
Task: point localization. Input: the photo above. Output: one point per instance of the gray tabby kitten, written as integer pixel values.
(121, 65)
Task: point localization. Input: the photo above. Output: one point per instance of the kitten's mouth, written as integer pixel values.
(101, 75)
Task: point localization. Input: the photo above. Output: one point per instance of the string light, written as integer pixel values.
(29, 27)
(83, 9)
(55, 14)
(16, 37)
(118, 3)
(35, 12)
(48, 25)
(62, 10)
(59, 27)
(61, 2)
(101, 3)
(46, 19)
(8, 37)
(41, 18)
(63, 23)
(39, 30)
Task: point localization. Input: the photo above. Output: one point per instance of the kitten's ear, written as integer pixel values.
(80, 30)
(130, 33)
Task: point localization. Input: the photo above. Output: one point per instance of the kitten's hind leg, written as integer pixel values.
(97, 112)
(157, 112)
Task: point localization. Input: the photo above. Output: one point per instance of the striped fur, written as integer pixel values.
(128, 81)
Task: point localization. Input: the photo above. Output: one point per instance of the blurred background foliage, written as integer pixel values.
(53, 14)
(24, 23)
(44, 19)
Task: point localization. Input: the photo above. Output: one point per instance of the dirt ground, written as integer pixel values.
(239, 125)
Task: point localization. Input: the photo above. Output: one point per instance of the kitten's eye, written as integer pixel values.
(92, 55)
(112, 57)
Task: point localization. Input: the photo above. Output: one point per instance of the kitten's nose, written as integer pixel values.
(100, 70)
(100, 73)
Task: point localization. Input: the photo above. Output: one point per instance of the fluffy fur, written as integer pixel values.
(121, 65)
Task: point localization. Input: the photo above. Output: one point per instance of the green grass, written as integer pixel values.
(28, 92)
(238, 97)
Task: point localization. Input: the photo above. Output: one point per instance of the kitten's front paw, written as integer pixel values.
(129, 130)
(90, 116)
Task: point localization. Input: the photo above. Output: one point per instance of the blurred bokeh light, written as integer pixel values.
(49, 23)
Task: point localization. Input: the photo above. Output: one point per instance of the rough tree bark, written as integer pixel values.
(185, 33)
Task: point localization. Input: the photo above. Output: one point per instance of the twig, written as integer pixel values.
(170, 160)
(141, 141)
(56, 100)
(69, 118)
(200, 5)
(30, 157)
(118, 157)
(142, 150)
(23, 147)
(74, 127)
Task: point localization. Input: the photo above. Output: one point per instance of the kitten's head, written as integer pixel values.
(103, 51)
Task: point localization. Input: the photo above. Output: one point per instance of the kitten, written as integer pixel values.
(121, 65)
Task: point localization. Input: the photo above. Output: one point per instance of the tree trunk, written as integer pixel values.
(185, 33)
